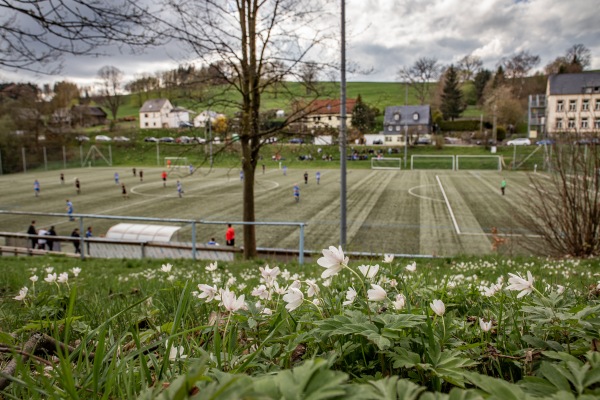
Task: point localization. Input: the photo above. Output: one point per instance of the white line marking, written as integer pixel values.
(410, 191)
(448, 205)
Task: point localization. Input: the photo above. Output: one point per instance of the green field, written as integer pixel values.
(402, 212)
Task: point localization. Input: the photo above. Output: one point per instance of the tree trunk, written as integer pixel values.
(249, 168)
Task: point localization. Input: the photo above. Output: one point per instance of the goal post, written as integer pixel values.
(386, 163)
(471, 162)
(432, 162)
(176, 162)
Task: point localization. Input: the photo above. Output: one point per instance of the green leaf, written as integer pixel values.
(355, 324)
(393, 388)
(551, 373)
(498, 388)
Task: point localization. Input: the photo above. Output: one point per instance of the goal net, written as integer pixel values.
(176, 162)
(432, 162)
(479, 162)
(386, 163)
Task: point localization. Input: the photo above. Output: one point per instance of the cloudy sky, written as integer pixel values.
(384, 35)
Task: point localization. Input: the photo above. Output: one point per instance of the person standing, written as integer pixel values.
(76, 242)
(51, 232)
(305, 177)
(88, 232)
(191, 169)
(77, 186)
(503, 186)
(284, 170)
(141, 175)
(116, 178)
(70, 210)
(179, 189)
(134, 172)
(36, 188)
(264, 167)
(318, 177)
(230, 236)
(164, 178)
(42, 241)
(296, 193)
(241, 175)
(62, 178)
(32, 231)
(124, 191)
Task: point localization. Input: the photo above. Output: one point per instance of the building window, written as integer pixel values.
(597, 123)
(597, 105)
(571, 123)
(146, 124)
(560, 105)
(559, 123)
(397, 117)
(329, 118)
(390, 128)
(388, 138)
(397, 128)
(584, 122)
(585, 105)
(399, 139)
(572, 105)
(416, 116)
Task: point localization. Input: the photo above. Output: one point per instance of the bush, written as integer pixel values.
(461, 125)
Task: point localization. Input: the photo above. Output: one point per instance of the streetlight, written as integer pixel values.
(405, 144)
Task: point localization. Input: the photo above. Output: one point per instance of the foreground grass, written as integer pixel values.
(141, 329)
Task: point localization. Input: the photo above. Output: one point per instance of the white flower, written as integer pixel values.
(519, 283)
(485, 326)
(33, 278)
(231, 302)
(262, 292)
(400, 302)
(393, 283)
(76, 271)
(438, 307)
(313, 289)
(166, 268)
(350, 296)
(49, 269)
(369, 271)
(22, 294)
(296, 284)
(316, 302)
(242, 286)
(411, 267)
(560, 289)
(50, 278)
(211, 267)
(294, 298)
(388, 258)
(269, 274)
(492, 290)
(333, 260)
(63, 278)
(267, 311)
(279, 290)
(376, 293)
(176, 352)
(208, 292)
(171, 278)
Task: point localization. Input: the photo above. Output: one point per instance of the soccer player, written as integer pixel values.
(241, 175)
(318, 177)
(116, 178)
(134, 171)
(284, 170)
(124, 191)
(164, 178)
(503, 186)
(70, 210)
(296, 192)
(36, 188)
(305, 177)
(179, 189)
(141, 175)
(62, 178)
(77, 186)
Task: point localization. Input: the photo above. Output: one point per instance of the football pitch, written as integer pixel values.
(442, 213)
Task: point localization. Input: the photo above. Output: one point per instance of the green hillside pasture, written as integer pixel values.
(408, 212)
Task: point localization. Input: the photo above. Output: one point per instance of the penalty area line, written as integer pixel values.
(448, 205)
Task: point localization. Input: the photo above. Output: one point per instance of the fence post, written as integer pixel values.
(45, 159)
(24, 160)
(301, 245)
(194, 240)
(81, 239)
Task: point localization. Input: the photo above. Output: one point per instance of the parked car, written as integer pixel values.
(151, 139)
(183, 139)
(296, 141)
(166, 139)
(102, 138)
(82, 138)
(544, 142)
(379, 141)
(185, 124)
(121, 139)
(198, 139)
(423, 140)
(519, 142)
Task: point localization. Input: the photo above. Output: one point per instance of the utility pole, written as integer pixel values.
(342, 137)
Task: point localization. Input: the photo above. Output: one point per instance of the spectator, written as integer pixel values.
(76, 242)
(32, 231)
(51, 232)
(230, 236)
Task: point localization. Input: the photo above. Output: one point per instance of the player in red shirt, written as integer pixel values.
(230, 236)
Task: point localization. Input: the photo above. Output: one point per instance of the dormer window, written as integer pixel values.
(416, 116)
(397, 117)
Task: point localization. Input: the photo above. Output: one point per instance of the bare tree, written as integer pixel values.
(35, 34)
(110, 90)
(420, 76)
(309, 73)
(565, 204)
(517, 67)
(579, 54)
(468, 66)
(240, 39)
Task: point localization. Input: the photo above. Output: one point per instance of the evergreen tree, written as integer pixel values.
(452, 102)
(480, 82)
(363, 116)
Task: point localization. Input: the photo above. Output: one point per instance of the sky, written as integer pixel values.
(385, 35)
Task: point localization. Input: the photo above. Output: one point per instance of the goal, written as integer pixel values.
(176, 162)
(386, 163)
(479, 163)
(432, 162)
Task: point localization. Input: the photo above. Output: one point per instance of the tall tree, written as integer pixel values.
(468, 66)
(452, 98)
(363, 116)
(480, 82)
(578, 54)
(420, 76)
(309, 73)
(517, 67)
(239, 39)
(110, 90)
(64, 94)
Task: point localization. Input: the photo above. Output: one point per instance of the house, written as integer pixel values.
(88, 116)
(178, 116)
(201, 119)
(327, 114)
(279, 114)
(155, 114)
(414, 120)
(573, 103)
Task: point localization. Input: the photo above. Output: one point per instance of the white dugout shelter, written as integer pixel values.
(142, 232)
